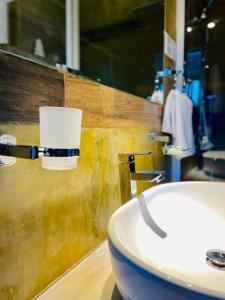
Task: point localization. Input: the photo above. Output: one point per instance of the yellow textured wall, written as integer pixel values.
(50, 219)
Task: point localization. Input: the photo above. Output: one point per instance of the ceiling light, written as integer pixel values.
(189, 29)
(211, 25)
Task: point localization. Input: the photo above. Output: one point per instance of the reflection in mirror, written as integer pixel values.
(34, 28)
(120, 43)
(205, 73)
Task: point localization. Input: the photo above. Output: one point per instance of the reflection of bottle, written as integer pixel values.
(39, 48)
(157, 97)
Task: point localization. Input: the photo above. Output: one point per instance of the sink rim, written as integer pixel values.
(147, 267)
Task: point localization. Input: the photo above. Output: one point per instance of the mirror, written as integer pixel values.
(34, 29)
(205, 74)
(119, 43)
(122, 45)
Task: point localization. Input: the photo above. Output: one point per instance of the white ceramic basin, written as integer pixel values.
(148, 267)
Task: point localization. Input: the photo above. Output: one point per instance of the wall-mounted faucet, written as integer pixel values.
(127, 170)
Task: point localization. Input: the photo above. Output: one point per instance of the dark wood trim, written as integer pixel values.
(107, 107)
(24, 86)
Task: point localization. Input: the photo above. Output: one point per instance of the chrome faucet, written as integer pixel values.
(128, 173)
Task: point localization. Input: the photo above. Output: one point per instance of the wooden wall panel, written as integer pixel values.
(24, 86)
(170, 18)
(171, 29)
(108, 107)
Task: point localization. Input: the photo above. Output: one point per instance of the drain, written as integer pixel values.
(216, 258)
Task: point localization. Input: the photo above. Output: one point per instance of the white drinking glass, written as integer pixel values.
(60, 127)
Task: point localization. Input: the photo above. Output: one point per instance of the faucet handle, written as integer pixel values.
(128, 157)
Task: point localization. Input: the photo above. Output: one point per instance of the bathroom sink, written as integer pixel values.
(147, 266)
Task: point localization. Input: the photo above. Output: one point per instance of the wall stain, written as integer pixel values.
(50, 219)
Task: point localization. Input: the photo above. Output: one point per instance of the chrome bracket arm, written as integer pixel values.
(34, 152)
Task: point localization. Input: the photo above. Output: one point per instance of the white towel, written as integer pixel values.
(177, 120)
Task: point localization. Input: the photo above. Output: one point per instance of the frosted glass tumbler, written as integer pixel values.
(60, 127)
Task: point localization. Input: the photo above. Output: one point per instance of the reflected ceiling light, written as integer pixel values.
(211, 25)
(189, 29)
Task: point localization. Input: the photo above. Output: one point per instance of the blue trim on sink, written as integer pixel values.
(135, 283)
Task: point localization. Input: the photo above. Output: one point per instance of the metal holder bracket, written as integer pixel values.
(9, 150)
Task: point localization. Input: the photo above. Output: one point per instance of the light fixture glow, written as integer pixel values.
(189, 29)
(211, 25)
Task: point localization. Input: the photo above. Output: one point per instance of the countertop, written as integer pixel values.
(91, 279)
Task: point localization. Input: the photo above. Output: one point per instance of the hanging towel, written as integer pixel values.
(177, 120)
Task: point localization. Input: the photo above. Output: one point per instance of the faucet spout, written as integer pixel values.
(149, 176)
(149, 221)
(127, 173)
